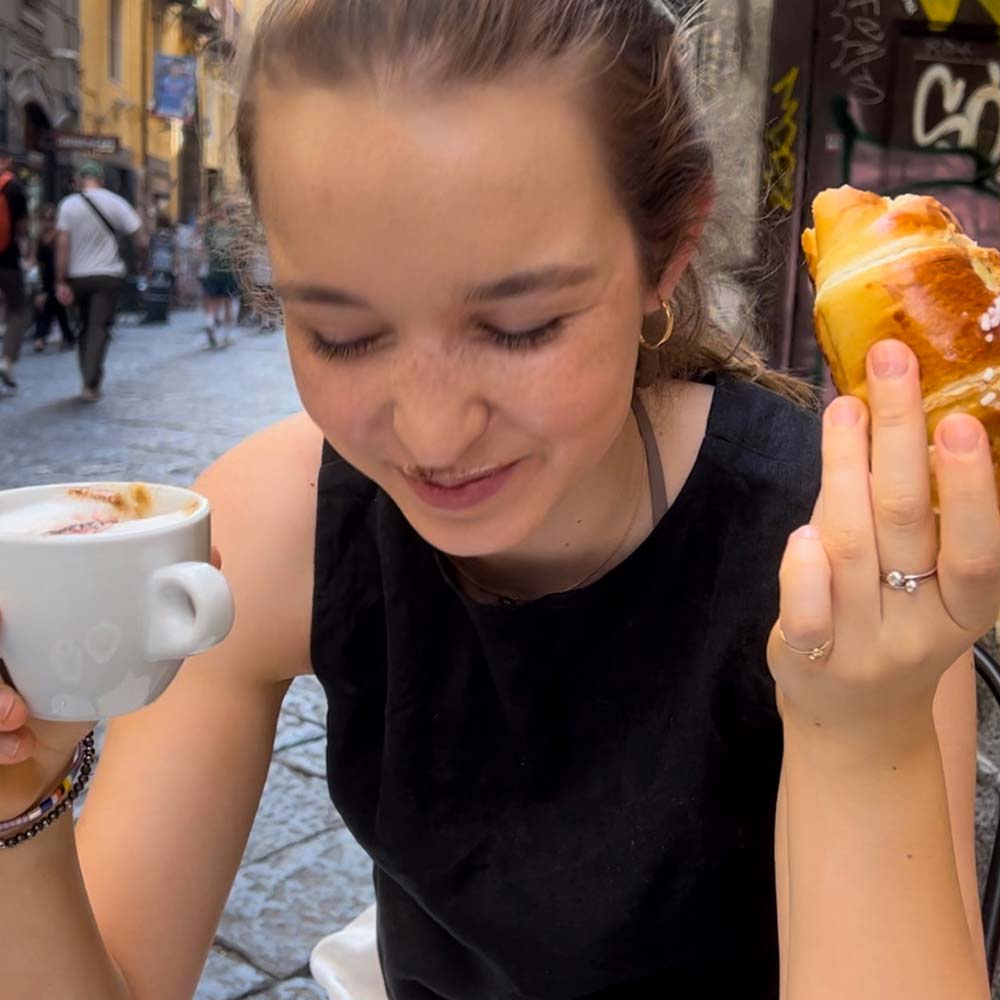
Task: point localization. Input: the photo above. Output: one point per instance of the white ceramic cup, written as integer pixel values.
(97, 625)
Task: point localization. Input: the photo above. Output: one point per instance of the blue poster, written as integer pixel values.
(175, 86)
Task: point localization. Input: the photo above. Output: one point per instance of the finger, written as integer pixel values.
(806, 606)
(216, 558)
(13, 710)
(17, 747)
(900, 483)
(846, 517)
(969, 561)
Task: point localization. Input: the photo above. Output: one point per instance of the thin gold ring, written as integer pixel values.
(814, 654)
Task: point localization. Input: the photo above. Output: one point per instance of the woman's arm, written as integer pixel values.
(955, 723)
(875, 903)
(134, 896)
(873, 879)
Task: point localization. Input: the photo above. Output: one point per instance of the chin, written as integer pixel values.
(471, 537)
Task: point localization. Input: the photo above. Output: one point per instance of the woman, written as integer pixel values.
(529, 534)
(47, 306)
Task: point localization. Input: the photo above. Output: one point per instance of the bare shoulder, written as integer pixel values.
(263, 496)
(679, 414)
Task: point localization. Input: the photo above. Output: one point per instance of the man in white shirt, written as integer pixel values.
(90, 269)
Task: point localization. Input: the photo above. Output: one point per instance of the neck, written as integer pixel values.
(595, 527)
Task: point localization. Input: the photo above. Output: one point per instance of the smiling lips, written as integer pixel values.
(460, 492)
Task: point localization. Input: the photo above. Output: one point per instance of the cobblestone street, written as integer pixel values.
(171, 407)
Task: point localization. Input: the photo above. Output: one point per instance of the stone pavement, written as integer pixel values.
(171, 407)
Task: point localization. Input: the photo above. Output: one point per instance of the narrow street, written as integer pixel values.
(171, 407)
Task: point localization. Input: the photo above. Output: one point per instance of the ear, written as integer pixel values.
(678, 264)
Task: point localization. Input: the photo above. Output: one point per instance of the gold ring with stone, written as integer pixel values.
(814, 654)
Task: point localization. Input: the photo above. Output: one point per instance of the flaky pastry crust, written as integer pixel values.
(903, 268)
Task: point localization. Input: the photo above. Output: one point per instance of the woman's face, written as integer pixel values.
(462, 296)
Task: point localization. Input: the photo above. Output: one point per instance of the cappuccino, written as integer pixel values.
(133, 594)
(92, 510)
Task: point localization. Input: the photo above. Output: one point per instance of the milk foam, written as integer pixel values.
(59, 516)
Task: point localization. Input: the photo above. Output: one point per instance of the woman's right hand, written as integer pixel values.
(34, 755)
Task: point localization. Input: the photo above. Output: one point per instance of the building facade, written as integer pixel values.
(162, 162)
(39, 90)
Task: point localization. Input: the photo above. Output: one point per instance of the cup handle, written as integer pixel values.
(190, 610)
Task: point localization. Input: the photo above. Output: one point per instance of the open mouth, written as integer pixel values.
(460, 492)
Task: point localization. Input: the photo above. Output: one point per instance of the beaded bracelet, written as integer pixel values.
(47, 811)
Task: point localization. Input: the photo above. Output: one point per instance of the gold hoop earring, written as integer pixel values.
(648, 331)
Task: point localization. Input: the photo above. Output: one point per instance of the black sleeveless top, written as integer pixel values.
(571, 797)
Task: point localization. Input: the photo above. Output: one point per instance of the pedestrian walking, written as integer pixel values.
(97, 231)
(13, 230)
(220, 285)
(47, 306)
(161, 270)
(621, 704)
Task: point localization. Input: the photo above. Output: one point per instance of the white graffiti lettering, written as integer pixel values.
(962, 125)
(860, 40)
(946, 48)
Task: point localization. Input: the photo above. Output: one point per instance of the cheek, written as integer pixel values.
(334, 396)
(579, 400)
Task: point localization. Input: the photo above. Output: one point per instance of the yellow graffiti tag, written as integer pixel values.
(942, 13)
(780, 139)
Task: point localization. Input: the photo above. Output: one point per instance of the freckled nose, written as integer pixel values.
(438, 427)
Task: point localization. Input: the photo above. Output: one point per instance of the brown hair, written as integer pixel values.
(633, 56)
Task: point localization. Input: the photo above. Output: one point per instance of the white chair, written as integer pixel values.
(346, 964)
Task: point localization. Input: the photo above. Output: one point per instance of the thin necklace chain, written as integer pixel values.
(593, 573)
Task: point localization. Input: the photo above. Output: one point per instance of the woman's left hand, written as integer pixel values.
(887, 648)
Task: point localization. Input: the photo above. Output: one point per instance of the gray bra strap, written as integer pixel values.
(657, 489)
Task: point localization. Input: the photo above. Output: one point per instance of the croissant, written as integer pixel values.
(903, 268)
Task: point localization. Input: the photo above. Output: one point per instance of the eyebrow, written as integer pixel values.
(522, 283)
(547, 279)
(325, 295)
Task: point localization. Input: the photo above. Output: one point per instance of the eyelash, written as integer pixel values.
(523, 340)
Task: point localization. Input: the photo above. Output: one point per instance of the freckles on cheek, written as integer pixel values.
(574, 400)
(334, 402)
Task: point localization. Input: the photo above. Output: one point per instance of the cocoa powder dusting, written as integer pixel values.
(82, 528)
(135, 502)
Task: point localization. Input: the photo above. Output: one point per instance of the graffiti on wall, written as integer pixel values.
(780, 140)
(962, 111)
(860, 44)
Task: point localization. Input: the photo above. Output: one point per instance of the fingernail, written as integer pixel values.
(9, 744)
(890, 360)
(6, 704)
(843, 412)
(960, 436)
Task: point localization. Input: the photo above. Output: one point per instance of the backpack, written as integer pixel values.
(6, 226)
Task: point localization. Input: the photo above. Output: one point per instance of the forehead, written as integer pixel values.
(474, 178)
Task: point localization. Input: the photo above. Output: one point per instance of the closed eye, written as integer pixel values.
(511, 340)
(334, 350)
(523, 340)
